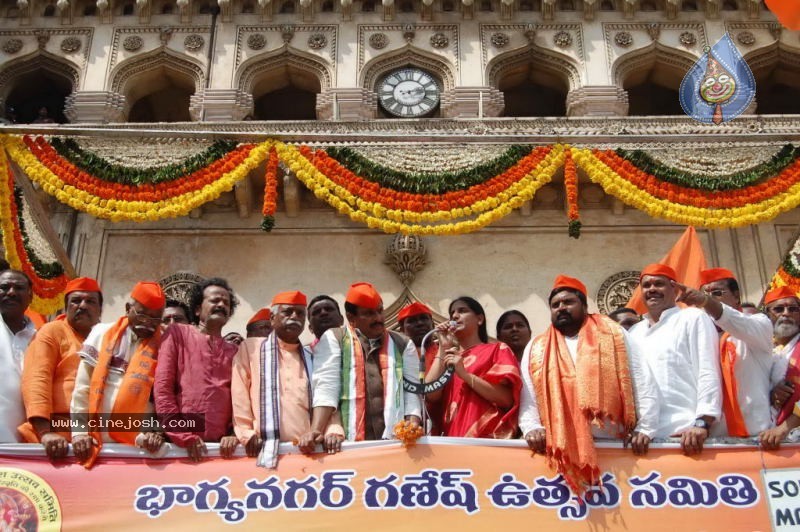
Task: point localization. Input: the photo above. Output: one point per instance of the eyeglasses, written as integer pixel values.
(719, 292)
(780, 309)
(144, 317)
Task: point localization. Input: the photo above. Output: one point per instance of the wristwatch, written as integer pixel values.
(701, 423)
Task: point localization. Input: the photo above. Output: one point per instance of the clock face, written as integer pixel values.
(408, 92)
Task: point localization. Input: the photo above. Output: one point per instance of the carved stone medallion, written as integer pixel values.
(616, 291)
(562, 39)
(439, 40)
(179, 286)
(378, 40)
(70, 45)
(256, 41)
(688, 38)
(746, 38)
(12, 46)
(623, 39)
(499, 40)
(317, 41)
(132, 43)
(193, 42)
(406, 255)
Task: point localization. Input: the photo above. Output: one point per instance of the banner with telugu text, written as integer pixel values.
(460, 486)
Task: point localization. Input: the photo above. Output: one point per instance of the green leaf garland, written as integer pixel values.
(771, 168)
(45, 270)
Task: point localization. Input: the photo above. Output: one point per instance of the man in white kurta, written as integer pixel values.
(380, 402)
(16, 332)
(644, 387)
(783, 309)
(681, 348)
(745, 350)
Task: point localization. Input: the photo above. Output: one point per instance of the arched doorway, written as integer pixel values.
(285, 93)
(652, 79)
(160, 95)
(528, 92)
(38, 96)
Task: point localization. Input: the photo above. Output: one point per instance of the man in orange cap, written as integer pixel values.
(581, 378)
(260, 325)
(359, 369)
(746, 360)
(783, 309)
(416, 320)
(681, 347)
(115, 376)
(51, 361)
(16, 333)
(193, 376)
(271, 386)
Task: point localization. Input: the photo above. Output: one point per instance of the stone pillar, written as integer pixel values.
(95, 107)
(597, 101)
(220, 105)
(347, 104)
(472, 102)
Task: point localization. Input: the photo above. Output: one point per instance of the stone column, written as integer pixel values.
(597, 101)
(95, 107)
(220, 105)
(347, 104)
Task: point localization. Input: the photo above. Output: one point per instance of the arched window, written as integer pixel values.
(49, 11)
(406, 6)
(287, 7)
(327, 6)
(566, 5)
(689, 5)
(248, 8)
(90, 10)
(607, 5)
(368, 6)
(167, 8)
(448, 5)
(730, 5)
(127, 9)
(205, 9)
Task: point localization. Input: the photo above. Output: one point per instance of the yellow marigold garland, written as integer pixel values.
(613, 184)
(43, 305)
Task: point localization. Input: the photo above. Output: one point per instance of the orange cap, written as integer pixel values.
(364, 295)
(659, 269)
(262, 315)
(715, 274)
(562, 281)
(290, 298)
(779, 293)
(149, 294)
(82, 284)
(413, 309)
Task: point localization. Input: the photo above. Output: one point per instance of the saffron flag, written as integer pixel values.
(719, 86)
(788, 272)
(787, 11)
(687, 259)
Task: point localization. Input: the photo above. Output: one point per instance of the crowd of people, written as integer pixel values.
(698, 363)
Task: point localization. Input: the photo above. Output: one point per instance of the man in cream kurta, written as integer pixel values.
(16, 332)
(280, 363)
(681, 348)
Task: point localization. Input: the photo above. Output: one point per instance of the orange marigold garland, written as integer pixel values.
(270, 192)
(408, 433)
(571, 188)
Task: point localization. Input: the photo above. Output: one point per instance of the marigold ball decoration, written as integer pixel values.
(408, 433)
(571, 187)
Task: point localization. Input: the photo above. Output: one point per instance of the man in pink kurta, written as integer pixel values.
(193, 377)
(277, 367)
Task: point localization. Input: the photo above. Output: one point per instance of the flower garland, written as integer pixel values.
(623, 183)
(377, 216)
(786, 156)
(571, 189)
(48, 289)
(98, 167)
(788, 273)
(117, 202)
(270, 191)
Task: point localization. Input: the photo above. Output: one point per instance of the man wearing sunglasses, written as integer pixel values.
(745, 344)
(115, 378)
(783, 308)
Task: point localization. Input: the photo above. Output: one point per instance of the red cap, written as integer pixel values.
(715, 274)
(262, 315)
(659, 269)
(779, 293)
(413, 309)
(290, 298)
(364, 295)
(149, 294)
(82, 284)
(562, 281)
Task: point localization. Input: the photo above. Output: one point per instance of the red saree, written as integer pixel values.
(466, 413)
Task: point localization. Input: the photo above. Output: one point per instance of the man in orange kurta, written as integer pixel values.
(51, 362)
(271, 384)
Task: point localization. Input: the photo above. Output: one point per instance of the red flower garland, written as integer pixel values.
(270, 191)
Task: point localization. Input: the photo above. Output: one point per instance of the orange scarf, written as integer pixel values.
(571, 396)
(134, 390)
(730, 394)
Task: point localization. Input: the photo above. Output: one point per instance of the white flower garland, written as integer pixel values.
(714, 161)
(151, 153)
(430, 159)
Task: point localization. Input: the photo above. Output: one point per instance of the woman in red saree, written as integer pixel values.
(482, 398)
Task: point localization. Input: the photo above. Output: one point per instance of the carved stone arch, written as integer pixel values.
(40, 60)
(375, 69)
(776, 69)
(651, 77)
(654, 55)
(249, 72)
(128, 70)
(39, 79)
(553, 63)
